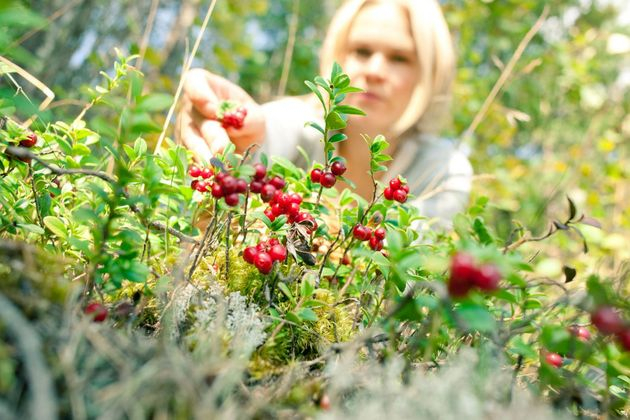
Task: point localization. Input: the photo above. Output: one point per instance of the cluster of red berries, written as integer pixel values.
(97, 311)
(328, 178)
(234, 118)
(29, 141)
(375, 238)
(608, 322)
(397, 190)
(266, 187)
(265, 254)
(224, 186)
(579, 332)
(465, 275)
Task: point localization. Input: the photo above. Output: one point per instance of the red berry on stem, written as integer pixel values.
(249, 254)
(193, 184)
(278, 253)
(405, 188)
(201, 186)
(316, 175)
(388, 193)
(206, 173)
(29, 141)
(241, 185)
(395, 184)
(360, 232)
(263, 262)
(328, 179)
(278, 182)
(607, 320)
(216, 191)
(267, 192)
(194, 171)
(255, 186)
(261, 171)
(400, 196)
(554, 359)
(376, 244)
(624, 339)
(581, 333)
(487, 277)
(338, 168)
(269, 213)
(380, 233)
(229, 184)
(231, 199)
(97, 310)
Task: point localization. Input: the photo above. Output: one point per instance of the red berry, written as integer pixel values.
(218, 177)
(193, 184)
(362, 233)
(581, 333)
(216, 191)
(624, 339)
(338, 168)
(346, 260)
(405, 188)
(388, 193)
(328, 179)
(201, 186)
(263, 262)
(316, 175)
(29, 141)
(278, 253)
(267, 192)
(206, 173)
(249, 254)
(276, 209)
(607, 320)
(278, 182)
(293, 209)
(463, 271)
(241, 185)
(554, 359)
(376, 244)
(269, 213)
(379, 233)
(395, 184)
(400, 196)
(261, 171)
(487, 277)
(229, 184)
(97, 310)
(255, 186)
(295, 198)
(273, 241)
(194, 171)
(231, 199)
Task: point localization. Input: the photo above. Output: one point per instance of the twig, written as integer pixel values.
(43, 403)
(505, 74)
(288, 52)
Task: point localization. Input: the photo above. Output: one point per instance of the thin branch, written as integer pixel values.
(288, 52)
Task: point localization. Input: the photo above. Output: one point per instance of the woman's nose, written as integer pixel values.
(376, 66)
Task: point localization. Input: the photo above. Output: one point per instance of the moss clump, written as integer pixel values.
(242, 277)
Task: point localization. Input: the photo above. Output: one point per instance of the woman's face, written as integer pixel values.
(381, 59)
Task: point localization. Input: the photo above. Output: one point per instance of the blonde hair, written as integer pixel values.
(429, 103)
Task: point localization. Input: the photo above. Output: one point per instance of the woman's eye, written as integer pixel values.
(363, 52)
(400, 58)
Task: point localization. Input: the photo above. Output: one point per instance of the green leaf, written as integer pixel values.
(306, 288)
(347, 109)
(324, 84)
(482, 232)
(315, 126)
(336, 138)
(341, 81)
(56, 226)
(31, 228)
(154, 102)
(316, 91)
(474, 317)
(336, 71)
(350, 89)
(292, 317)
(307, 314)
(285, 289)
(334, 121)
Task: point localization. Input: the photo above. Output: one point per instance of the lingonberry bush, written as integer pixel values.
(249, 262)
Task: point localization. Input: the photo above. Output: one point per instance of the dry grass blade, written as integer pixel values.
(35, 82)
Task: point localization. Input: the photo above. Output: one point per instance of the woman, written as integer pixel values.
(400, 53)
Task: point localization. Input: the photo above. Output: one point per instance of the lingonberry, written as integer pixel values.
(269, 213)
(29, 141)
(241, 185)
(338, 168)
(346, 260)
(97, 310)
(249, 254)
(194, 171)
(624, 338)
(278, 182)
(263, 262)
(193, 184)
(202, 186)
(376, 244)
(395, 184)
(278, 253)
(388, 193)
(328, 179)
(607, 320)
(580, 332)
(400, 195)
(273, 241)
(235, 118)
(554, 359)
(462, 272)
(231, 199)
(380, 233)
(362, 233)
(295, 198)
(255, 186)
(487, 277)
(206, 173)
(405, 188)
(228, 184)
(216, 191)
(261, 171)
(267, 192)
(316, 175)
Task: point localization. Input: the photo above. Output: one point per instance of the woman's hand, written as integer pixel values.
(197, 126)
